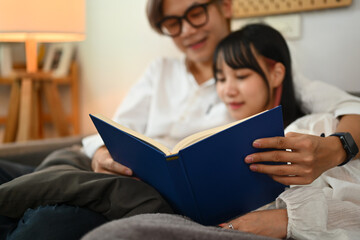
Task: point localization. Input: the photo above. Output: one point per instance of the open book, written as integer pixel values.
(204, 177)
(180, 145)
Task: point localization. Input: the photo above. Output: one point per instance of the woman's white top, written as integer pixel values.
(329, 208)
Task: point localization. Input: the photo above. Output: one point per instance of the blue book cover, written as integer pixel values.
(204, 177)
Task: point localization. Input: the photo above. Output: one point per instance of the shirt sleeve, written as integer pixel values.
(320, 97)
(327, 209)
(134, 109)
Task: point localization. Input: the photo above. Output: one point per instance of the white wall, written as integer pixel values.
(119, 46)
(329, 48)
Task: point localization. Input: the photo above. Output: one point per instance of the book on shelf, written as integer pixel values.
(204, 176)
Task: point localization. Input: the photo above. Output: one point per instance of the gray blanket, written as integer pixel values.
(164, 227)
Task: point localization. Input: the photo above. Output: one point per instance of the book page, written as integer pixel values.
(205, 134)
(139, 136)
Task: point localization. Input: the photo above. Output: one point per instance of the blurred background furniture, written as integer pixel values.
(45, 86)
(250, 8)
(33, 22)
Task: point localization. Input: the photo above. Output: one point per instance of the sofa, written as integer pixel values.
(33, 152)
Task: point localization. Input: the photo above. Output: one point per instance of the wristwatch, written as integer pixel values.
(349, 145)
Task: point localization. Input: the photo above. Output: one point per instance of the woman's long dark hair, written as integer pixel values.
(237, 50)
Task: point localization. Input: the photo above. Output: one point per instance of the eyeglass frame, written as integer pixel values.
(184, 16)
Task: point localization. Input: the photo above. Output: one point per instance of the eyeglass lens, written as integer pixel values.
(196, 16)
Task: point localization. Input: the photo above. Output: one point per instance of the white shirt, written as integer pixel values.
(167, 104)
(329, 208)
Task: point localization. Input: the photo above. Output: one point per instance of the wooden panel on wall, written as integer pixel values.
(254, 8)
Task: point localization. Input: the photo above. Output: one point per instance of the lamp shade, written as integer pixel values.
(42, 20)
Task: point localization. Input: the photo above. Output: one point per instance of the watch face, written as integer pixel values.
(346, 146)
(348, 143)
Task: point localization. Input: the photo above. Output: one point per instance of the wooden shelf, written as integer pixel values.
(26, 93)
(255, 8)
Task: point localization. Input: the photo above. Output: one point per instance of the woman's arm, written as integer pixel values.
(327, 209)
(270, 223)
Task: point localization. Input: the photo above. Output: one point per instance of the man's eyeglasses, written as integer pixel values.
(196, 15)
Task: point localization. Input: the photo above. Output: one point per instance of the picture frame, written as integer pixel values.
(58, 58)
(6, 61)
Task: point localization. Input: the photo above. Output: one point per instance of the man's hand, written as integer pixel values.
(310, 156)
(270, 223)
(102, 162)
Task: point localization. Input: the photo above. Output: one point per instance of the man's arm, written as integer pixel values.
(310, 156)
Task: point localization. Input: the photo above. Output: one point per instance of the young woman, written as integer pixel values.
(252, 69)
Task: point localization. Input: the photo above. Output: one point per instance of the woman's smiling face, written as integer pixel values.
(243, 90)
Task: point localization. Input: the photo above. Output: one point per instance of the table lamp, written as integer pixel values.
(35, 21)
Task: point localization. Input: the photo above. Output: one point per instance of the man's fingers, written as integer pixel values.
(304, 157)
(289, 142)
(273, 142)
(110, 165)
(289, 174)
(273, 156)
(105, 171)
(277, 170)
(282, 174)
